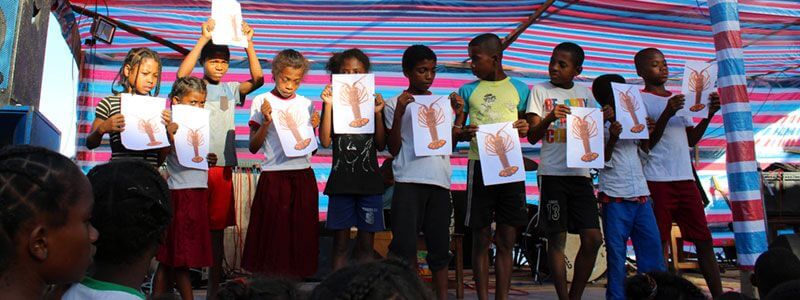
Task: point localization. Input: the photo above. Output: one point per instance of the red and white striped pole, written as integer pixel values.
(744, 182)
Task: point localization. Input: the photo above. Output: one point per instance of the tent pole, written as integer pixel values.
(132, 30)
(744, 181)
(514, 34)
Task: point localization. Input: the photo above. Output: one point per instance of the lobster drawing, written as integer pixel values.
(698, 82)
(196, 139)
(585, 128)
(291, 121)
(430, 116)
(499, 144)
(630, 106)
(353, 95)
(150, 127)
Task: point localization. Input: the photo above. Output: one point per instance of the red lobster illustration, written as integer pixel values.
(499, 144)
(698, 82)
(195, 138)
(354, 95)
(430, 116)
(291, 122)
(585, 128)
(630, 106)
(150, 127)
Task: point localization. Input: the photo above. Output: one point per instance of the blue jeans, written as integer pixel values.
(634, 220)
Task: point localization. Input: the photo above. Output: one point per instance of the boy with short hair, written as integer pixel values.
(494, 98)
(568, 203)
(624, 199)
(668, 168)
(422, 183)
(222, 98)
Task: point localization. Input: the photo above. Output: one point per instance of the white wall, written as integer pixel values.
(60, 87)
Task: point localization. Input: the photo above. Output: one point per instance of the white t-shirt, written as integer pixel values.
(92, 289)
(622, 176)
(407, 166)
(221, 101)
(181, 177)
(274, 158)
(670, 159)
(543, 99)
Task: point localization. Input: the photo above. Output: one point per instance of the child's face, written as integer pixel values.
(421, 76)
(653, 68)
(483, 65)
(192, 98)
(214, 68)
(142, 78)
(70, 247)
(562, 68)
(288, 81)
(352, 66)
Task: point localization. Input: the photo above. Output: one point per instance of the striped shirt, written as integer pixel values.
(108, 107)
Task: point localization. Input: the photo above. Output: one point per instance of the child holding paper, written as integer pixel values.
(355, 185)
(283, 237)
(140, 74)
(188, 240)
(568, 203)
(627, 211)
(494, 98)
(221, 97)
(422, 183)
(668, 168)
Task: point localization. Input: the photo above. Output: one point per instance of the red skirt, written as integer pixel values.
(220, 198)
(283, 235)
(188, 241)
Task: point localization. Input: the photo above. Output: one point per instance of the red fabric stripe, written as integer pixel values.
(750, 210)
(734, 93)
(727, 39)
(741, 151)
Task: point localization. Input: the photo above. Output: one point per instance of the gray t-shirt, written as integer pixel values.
(407, 166)
(544, 98)
(221, 101)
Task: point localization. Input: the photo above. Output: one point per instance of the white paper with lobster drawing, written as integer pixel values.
(353, 103)
(699, 81)
(293, 123)
(585, 138)
(630, 111)
(192, 138)
(227, 15)
(432, 120)
(500, 153)
(143, 127)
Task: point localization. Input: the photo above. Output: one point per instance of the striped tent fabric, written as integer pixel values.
(610, 32)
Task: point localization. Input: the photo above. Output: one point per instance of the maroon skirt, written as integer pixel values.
(188, 241)
(283, 235)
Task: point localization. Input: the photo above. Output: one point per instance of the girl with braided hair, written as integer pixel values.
(45, 234)
(140, 74)
(132, 210)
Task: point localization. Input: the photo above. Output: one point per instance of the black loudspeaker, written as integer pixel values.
(788, 241)
(782, 194)
(23, 37)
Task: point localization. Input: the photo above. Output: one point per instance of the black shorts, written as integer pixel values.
(567, 204)
(421, 207)
(505, 202)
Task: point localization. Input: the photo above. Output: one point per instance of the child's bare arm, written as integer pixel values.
(190, 61)
(395, 133)
(674, 104)
(256, 73)
(258, 132)
(380, 128)
(539, 125)
(614, 130)
(326, 126)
